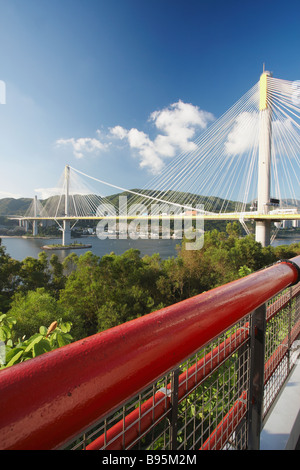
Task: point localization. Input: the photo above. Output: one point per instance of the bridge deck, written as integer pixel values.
(225, 216)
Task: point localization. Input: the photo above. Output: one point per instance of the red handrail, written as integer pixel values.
(48, 400)
(125, 432)
(141, 419)
(229, 423)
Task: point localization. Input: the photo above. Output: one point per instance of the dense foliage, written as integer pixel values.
(96, 293)
(20, 350)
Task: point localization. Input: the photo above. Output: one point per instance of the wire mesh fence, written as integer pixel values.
(283, 329)
(205, 402)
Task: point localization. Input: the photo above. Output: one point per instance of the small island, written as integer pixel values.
(71, 246)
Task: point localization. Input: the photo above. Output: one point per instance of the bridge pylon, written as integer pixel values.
(35, 223)
(263, 227)
(66, 237)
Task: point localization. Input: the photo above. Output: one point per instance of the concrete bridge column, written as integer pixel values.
(263, 227)
(34, 228)
(66, 235)
(34, 223)
(66, 238)
(263, 232)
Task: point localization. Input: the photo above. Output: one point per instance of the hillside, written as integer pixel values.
(11, 206)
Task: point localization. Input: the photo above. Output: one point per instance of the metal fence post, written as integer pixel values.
(242, 373)
(290, 312)
(174, 409)
(257, 366)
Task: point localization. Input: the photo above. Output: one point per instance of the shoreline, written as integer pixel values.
(67, 247)
(28, 237)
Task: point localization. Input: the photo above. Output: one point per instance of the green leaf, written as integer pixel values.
(2, 334)
(11, 352)
(18, 354)
(31, 338)
(32, 342)
(68, 338)
(5, 333)
(41, 347)
(60, 340)
(66, 327)
(43, 330)
(11, 321)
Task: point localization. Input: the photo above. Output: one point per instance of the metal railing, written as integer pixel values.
(200, 374)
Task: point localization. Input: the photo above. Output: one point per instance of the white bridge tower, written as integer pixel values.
(66, 238)
(263, 226)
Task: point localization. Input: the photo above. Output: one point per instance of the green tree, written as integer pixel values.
(57, 279)
(244, 271)
(234, 229)
(47, 339)
(9, 278)
(82, 295)
(285, 251)
(34, 273)
(98, 293)
(103, 292)
(129, 283)
(70, 263)
(34, 308)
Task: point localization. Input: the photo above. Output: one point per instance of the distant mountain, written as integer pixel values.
(10, 206)
(211, 203)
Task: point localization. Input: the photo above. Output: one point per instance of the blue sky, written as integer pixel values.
(100, 84)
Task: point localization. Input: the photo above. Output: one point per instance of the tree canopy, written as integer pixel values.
(97, 293)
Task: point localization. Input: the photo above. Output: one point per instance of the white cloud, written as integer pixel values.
(178, 123)
(6, 194)
(149, 155)
(45, 193)
(176, 126)
(244, 134)
(83, 145)
(119, 132)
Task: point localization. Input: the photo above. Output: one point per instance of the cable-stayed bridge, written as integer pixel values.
(245, 166)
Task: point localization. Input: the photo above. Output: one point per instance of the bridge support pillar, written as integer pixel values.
(34, 223)
(34, 228)
(263, 227)
(66, 237)
(263, 232)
